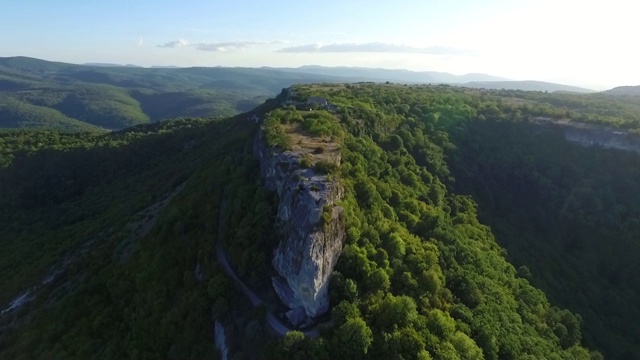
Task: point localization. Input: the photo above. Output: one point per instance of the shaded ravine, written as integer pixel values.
(136, 229)
(276, 324)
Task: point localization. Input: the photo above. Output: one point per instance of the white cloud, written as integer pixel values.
(176, 44)
(140, 42)
(225, 46)
(373, 47)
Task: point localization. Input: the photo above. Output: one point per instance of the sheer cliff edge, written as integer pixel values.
(310, 228)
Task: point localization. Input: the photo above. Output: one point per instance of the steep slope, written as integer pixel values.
(565, 214)
(117, 258)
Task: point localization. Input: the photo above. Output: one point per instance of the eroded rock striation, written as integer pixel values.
(602, 137)
(589, 135)
(310, 228)
(221, 341)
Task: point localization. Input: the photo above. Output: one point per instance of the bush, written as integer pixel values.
(327, 214)
(275, 134)
(305, 161)
(326, 167)
(321, 123)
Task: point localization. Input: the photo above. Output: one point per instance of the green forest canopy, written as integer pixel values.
(77, 98)
(421, 275)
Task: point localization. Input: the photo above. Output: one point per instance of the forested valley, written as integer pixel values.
(474, 231)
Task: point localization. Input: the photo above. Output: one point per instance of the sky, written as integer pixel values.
(585, 43)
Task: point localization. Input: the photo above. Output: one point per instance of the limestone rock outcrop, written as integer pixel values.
(220, 340)
(587, 135)
(310, 227)
(602, 137)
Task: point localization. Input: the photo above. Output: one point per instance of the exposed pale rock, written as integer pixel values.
(602, 137)
(297, 316)
(221, 342)
(589, 135)
(309, 248)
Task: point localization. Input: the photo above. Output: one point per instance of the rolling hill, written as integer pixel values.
(624, 90)
(38, 93)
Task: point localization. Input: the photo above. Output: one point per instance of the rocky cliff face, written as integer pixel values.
(589, 135)
(310, 228)
(220, 340)
(605, 138)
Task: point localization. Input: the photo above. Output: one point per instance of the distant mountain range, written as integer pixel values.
(111, 65)
(468, 80)
(39, 93)
(527, 85)
(396, 75)
(473, 80)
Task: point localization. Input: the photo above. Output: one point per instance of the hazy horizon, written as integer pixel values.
(574, 43)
